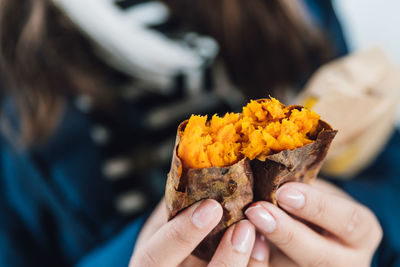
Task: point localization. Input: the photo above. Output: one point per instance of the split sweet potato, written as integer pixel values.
(242, 158)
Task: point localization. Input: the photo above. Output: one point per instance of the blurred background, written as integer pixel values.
(371, 22)
(92, 93)
(368, 26)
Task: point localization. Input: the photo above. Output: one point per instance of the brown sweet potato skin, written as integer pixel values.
(236, 186)
(231, 186)
(298, 165)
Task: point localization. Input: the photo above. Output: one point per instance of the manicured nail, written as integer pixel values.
(260, 249)
(289, 197)
(205, 213)
(242, 240)
(261, 218)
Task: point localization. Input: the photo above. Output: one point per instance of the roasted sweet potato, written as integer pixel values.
(242, 158)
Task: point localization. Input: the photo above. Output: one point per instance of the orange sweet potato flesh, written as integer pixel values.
(264, 127)
(242, 158)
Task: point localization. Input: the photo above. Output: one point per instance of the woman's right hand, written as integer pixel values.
(163, 243)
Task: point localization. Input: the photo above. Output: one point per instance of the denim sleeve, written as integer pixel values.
(118, 251)
(17, 246)
(378, 187)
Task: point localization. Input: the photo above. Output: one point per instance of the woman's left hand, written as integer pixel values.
(331, 229)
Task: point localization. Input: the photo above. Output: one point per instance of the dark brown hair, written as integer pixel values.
(44, 59)
(265, 44)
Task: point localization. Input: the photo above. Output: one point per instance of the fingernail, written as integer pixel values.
(260, 249)
(261, 218)
(205, 213)
(292, 198)
(242, 236)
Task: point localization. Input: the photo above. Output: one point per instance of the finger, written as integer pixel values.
(235, 246)
(158, 218)
(175, 240)
(278, 259)
(351, 222)
(329, 188)
(191, 261)
(260, 253)
(293, 238)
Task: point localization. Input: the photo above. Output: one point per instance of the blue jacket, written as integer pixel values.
(378, 187)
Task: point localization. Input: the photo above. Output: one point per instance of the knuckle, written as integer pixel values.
(321, 260)
(355, 226)
(145, 259)
(180, 235)
(219, 263)
(354, 221)
(318, 210)
(150, 260)
(362, 224)
(286, 240)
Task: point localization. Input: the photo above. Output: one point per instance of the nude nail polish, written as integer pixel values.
(204, 214)
(290, 197)
(261, 218)
(260, 249)
(243, 236)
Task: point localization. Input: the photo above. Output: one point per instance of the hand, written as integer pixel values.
(331, 229)
(163, 243)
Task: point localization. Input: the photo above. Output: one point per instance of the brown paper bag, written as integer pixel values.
(359, 95)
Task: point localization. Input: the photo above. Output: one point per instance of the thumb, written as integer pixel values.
(175, 240)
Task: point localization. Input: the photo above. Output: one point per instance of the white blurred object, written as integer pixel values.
(126, 43)
(371, 22)
(359, 96)
(148, 14)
